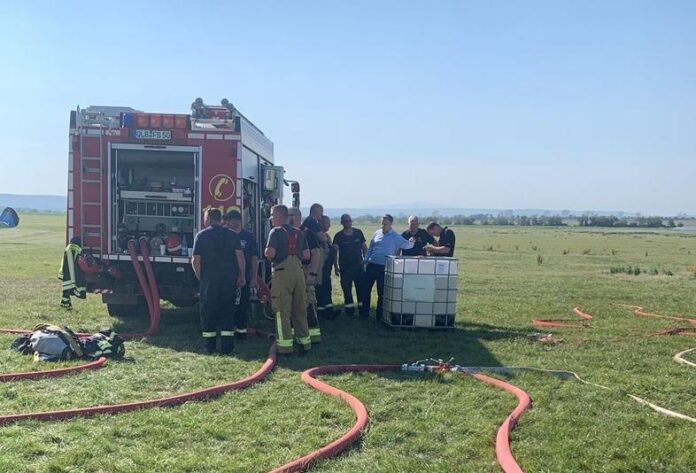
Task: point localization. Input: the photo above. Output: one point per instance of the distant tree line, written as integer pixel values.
(614, 221)
(535, 220)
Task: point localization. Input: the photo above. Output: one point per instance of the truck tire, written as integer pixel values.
(127, 311)
(120, 310)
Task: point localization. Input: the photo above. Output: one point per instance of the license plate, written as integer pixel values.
(164, 135)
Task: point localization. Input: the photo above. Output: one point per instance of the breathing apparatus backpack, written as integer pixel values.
(54, 342)
(293, 238)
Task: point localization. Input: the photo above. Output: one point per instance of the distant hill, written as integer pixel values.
(42, 203)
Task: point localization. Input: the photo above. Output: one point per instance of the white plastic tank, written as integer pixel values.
(420, 291)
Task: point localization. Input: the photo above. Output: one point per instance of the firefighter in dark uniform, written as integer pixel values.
(445, 240)
(285, 249)
(421, 236)
(233, 221)
(325, 307)
(73, 279)
(218, 262)
(312, 266)
(351, 250)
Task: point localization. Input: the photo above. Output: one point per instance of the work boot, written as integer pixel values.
(329, 312)
(226, 345)
(301, 349)
(211, 345)
(65, 303)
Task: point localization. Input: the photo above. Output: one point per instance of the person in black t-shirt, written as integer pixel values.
(218, 263)
(233, 221)
(421, 238)
(445, 243)
(350, 243)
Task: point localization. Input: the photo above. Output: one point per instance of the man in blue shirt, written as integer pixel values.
(385, 242)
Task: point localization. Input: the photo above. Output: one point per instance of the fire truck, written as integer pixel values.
(135, 175)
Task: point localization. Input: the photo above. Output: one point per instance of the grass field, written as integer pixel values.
(418, 423)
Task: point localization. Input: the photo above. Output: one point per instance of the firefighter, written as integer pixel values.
(218, 262)
(285, 249)
(325, 307)
(312, 266)
(233, 221)
(73, 279)
(351, 250)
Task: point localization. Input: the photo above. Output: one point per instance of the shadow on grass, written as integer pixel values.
(345, 340)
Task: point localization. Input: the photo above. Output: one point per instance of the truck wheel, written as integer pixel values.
(124, 311)
(117, 310)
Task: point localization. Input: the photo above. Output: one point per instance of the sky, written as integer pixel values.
(479, 104)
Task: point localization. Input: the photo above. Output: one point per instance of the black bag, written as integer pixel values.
(22, 344)
(106, 342)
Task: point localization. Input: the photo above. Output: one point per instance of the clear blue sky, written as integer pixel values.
(496, 104)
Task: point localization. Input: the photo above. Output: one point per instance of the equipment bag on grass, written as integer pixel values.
(106, 342)
(53, 342)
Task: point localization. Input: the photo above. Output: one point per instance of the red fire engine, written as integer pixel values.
(133, 174)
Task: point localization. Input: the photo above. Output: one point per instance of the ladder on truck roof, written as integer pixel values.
(91, 125)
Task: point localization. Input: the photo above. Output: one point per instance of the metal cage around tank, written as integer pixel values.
(420, 291)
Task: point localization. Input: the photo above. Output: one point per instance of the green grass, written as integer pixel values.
(418, 422)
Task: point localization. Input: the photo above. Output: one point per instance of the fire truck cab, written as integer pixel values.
(133, 174)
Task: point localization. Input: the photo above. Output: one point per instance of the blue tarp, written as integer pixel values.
(9, 218)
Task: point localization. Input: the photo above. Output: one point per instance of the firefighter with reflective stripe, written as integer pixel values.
(351, 246)
(219, 265)
(233, 221)
(312, 265)
(325, 307)
(285, 248)
(73, 279)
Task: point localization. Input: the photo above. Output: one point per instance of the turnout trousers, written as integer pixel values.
(241, 313)
(352, 276)
(374, 273)
(324, 303)
(216, 311)
(311, 310)
(288, 299)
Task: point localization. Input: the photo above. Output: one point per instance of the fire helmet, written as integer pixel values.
(173, 244)
(87, 263)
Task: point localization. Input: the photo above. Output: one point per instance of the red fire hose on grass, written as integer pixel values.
(639, 311)
(502, 445)
(564, 323)
(98, 363)
(200, 394)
